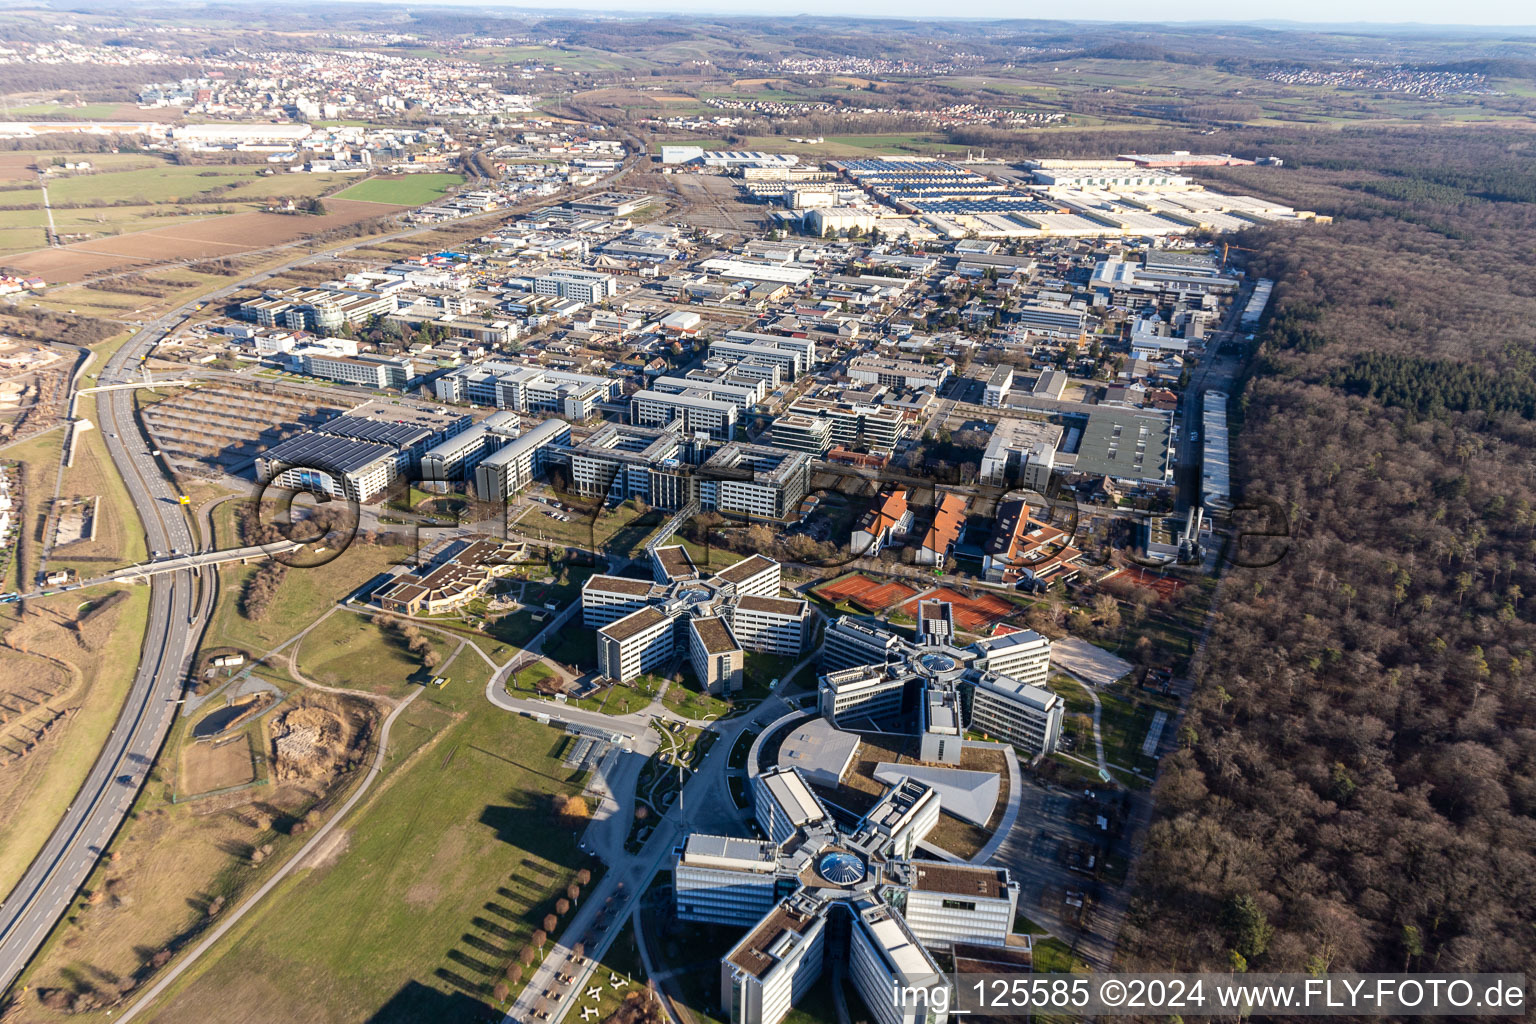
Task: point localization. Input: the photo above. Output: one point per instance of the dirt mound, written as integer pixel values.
(315, 742)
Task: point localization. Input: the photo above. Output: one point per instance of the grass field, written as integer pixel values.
(688, 700)
(459, 857)
(406, 190)
(119, 536)
(39, 460)
(173, 865)
(170, 183)
(348, 650)
(303, 596)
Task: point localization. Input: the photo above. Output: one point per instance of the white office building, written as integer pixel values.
(1025, 715)
(697, 411)
(512, 468)
(634, 645)
(776, 625)
(950, 903)
(726, 880)
(456, 458)
(860, 694)
(783, 803)
(582, 285)
(1024, 656)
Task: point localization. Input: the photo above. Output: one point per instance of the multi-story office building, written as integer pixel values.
(754, 482)
(849, 642)
(744, 394)
(869, 672)
(582, 285)
(319, 310)
(534, 389)
(857, 426)
(1021, 453)
(1024, 655)
(620, 461)
(715, 654)
(790, 360)
(852, 896)
(776, 964)
(512, 468)
(339, 466)
(802, 433)
(606, 599)
(904, 815)
(884, 957)
(455, 459)
(367, 371)
(725, 880)
(783, 804)
(861, 694)
(635, 644)
(776, 625)
(898, 373)
(694, 408)
(1022, 714)
(713, 621)
(757, 576)
(999, 383)
(946, 904)
(360, 454)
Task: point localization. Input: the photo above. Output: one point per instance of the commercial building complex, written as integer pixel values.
(358, 455)
(510, 469)
(710, 620)
(814, 892)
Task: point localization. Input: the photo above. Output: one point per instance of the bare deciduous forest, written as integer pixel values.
(1356, 782)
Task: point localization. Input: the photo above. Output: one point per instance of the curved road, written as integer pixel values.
(180, 605)
(179, 602)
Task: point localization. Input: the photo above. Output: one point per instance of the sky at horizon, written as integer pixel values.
(1302, 13)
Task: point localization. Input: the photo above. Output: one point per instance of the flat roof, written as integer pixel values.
(619, 585)
(791, 793)
(675, 562)
(961, 880)
(745, 569)
(773, 605)
(633, 623)
(1018, 692)
(328, 453)
(752, 954)
(714, 634)
(818, 747)
(730, 851)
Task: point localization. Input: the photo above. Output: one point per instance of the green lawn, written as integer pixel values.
(1052, 956)
(409, 190)
(60, 112)
(348, 650)
(449, 866)
(761, 670)
(302, 597)
(688, 700)
(165, 184)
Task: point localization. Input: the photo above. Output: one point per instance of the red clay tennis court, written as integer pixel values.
(972, 614)
(859, 590)
(1163, 586)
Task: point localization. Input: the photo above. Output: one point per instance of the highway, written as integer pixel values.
(181, 602)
